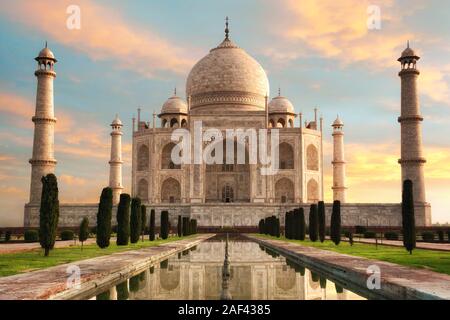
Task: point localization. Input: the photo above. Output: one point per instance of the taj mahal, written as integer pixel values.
(228, 89)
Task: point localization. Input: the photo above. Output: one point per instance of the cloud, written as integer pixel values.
(338, 30)
(104, 35)
(71, 180)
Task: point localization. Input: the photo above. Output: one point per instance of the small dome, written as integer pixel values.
(46, 53)
(338, 122)
(174, 105)
(408, 53)
(116, 121)
(280, 105)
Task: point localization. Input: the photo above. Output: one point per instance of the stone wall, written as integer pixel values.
(243, 214)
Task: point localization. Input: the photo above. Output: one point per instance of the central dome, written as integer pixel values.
(228, 76)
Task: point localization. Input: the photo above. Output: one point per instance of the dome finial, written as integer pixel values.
(279, 91)
(175, 92)
(227, 31)
(46, 43)
(407, 44)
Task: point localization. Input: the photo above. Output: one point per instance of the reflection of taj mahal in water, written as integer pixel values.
(255, 275)
(228, 89)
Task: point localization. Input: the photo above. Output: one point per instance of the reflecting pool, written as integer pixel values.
(255, 273)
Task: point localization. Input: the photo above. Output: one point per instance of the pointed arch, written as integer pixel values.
(142, 189)
(143, 158)
(312, 189)
(286, 156)
(171, 191)
(312, 158)
(166, 157)
(284, 190)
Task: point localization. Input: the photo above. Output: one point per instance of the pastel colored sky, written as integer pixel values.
(133, 53)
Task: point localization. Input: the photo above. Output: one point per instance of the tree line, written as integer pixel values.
(131, 219)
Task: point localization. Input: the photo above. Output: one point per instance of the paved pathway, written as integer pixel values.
(96, 272)
(397, 282)
(396, 243)
(19, 247)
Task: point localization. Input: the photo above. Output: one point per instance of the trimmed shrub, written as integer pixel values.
(428, 236)
(135, 220)
(185, 226)
(287, 225)
(261, 226)
(321, 220)
(277, 227)
(123, 220)
(370, 235)
(195, 225)
(301, 225)
(31, 236)
(67, 235)
(408, 219)
(122, 291)
(313, 223)
(441, 235)
(143, 220)
(7, 236)
(151, 231)
(83, 234)
(350, 237)
(180, 226)
(48, 213)
(391, 235)
(164, 224)
(134, 283)
(360, 229)
(104, 295)
(335, 228)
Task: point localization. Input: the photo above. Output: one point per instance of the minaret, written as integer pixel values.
(43, 160)
(338, 161)
(115, 170)
(412, 159)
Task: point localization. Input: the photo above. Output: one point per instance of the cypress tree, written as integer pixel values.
(195, 226)
(192, 226)
(185, 226)
(277, 227)
(267, 225)
(164, 233)
(408, 219)
(143, 220)
(260, 226)
(322, 221)
(48, 212)
(287, 225)
(135, 220)
(291, 224)
(123, 220)
(83, 233)
(302, 225)
(151, 231)
(104, 216)
(335, 228)
(313, 223)
(180, 226)
(295, 221)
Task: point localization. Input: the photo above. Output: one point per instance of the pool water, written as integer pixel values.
(255, 273)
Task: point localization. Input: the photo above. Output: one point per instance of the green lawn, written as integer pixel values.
(13, 263)
(438, 261)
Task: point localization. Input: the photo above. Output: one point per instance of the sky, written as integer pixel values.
(130, 54)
